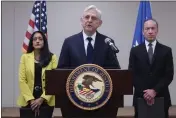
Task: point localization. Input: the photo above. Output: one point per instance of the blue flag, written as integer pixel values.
(144, 13)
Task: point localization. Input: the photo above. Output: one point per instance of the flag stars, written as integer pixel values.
(37, 9)
(42, 14)
(36, 21)
(38, 4)
(43, 28)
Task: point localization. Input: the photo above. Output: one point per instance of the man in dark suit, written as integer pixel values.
(152, 67)
(88, 46)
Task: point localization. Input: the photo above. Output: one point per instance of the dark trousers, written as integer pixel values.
(166, 110)
(46, 111)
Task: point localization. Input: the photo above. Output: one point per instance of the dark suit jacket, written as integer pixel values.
(73, 53)
(157, 75)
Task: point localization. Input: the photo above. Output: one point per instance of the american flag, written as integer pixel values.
(82, 92)
(38, 21)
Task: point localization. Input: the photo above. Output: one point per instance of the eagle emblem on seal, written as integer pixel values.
(86, 87)
(89, 87)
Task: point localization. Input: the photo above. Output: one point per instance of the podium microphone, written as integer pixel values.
(112, 45)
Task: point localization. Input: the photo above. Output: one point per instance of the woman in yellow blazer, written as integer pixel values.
(32, 75)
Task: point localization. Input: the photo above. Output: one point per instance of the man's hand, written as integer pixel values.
(149, 96)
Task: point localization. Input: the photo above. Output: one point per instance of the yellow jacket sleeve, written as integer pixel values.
(53, 66)
(24, 88)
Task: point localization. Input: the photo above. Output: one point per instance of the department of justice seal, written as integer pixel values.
(89, 87)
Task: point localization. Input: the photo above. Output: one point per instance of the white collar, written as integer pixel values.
(153, 43)
(85, 36)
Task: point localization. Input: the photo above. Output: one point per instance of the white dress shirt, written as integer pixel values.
(153, 45)
(86, 41)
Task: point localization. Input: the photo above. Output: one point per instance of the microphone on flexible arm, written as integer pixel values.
(111, 44)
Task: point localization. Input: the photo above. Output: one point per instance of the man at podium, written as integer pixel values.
(152, 66)
(88, 46)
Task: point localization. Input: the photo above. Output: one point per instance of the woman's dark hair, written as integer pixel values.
(45, 54)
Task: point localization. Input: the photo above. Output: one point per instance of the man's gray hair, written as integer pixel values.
(94, 8)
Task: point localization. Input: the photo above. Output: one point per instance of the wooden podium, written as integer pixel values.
(56, 85)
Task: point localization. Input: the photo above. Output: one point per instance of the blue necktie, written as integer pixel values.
(89, 51)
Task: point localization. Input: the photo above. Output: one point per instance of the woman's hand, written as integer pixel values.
(36, 103)
(37, 111)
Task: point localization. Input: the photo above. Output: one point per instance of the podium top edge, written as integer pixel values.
(74, 68)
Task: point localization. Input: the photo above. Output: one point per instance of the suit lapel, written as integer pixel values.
(144, 51)
(43, 70)
(31, 62)
(97, 45)
(155, 52)
(80, 44)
